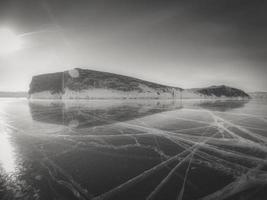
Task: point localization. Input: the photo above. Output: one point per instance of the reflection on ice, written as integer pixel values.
(222, 105)
(94, 113)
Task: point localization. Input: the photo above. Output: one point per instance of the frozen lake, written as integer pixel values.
(133, 150)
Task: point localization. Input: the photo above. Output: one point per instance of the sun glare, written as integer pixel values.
(9, 41)
(7, 155)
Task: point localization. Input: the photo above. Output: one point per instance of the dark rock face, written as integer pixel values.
(51, 82)
(220, 91)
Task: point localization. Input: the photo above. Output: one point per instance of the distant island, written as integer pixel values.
(89, 84)
(13, 94)
(258, 95)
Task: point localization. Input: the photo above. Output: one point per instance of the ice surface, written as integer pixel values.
(133, 149)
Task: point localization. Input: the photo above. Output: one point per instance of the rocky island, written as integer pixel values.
(89, 84)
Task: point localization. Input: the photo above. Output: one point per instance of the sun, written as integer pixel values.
(9, 41)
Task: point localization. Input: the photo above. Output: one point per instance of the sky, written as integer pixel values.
(183, 43)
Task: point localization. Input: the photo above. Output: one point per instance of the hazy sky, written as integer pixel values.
(186, 43)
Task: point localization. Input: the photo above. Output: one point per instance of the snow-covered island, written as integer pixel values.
(89, 84)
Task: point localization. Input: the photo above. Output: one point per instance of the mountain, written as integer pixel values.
(221, 91)
(89, 84)
(13, 94)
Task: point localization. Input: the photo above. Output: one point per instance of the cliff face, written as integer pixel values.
(47, 82)
(89, 84)
(81, 83)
